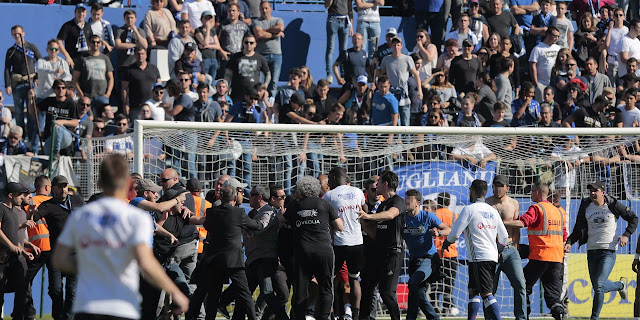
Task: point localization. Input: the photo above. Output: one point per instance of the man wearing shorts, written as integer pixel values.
(481, 225)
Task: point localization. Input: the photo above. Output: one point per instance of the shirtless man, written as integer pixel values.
(509, 261)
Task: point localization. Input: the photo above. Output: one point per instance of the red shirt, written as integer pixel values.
(582, 6)
(533, 217)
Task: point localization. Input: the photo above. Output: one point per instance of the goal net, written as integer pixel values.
(431, 159)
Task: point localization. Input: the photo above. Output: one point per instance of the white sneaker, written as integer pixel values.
(308, 317)
(329, 78)
(454, 311)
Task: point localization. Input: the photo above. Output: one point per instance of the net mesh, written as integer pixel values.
(432, 163)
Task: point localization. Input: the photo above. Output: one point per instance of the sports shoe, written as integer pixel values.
(223, 311)
(329, 78)
(624, 292)
(347, 317)
(454, 311)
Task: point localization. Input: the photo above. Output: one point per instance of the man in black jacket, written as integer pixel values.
(223, 257)
(596, 226)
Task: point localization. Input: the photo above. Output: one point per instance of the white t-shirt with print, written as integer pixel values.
(346, 200)
(545, 58)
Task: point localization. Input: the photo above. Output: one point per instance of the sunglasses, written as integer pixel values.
(185, 80)
(282, 197)
(85, 104)
(98, 129)
(59, 88)
(122, 124)
(249, 42)
(159, 92)
(240, 190)
(98, 42)
(54, 49)
(311, 113)
(619, 15)
(164, 180)
(373, 189)
(572, 64)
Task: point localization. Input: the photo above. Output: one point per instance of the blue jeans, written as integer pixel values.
(177, 275)
(510, 263)
(341, 28)
(20, 98)
(61, 301)
(288, 172)
(369, 30)
(210, 67)
(274, 61)
(418, 289)
(63, 139)
(99, 101)
(601, 264)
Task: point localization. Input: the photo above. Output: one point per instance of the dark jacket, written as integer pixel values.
(224, 225)
(579, 233)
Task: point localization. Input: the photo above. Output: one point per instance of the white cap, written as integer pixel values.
(362, 79)
(392, 31)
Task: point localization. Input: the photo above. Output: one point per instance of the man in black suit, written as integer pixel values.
(223, 258)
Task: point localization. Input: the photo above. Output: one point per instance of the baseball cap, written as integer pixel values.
(194, 184)
(17, 187)
(362, 79)
(473, 2)
(148, 185)
(501, 179)
(396, 39)
(467, 43)
(156, 86)
(171, 194)
(603, 99)
(206, 13)
(190, 46)
(234, 183)
(298, 99)
(57, 180)
(80, 6)
(392, 31)
(596, 185)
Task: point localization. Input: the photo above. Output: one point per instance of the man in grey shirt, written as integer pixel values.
(268, 31)
(594, 80)
(504, 91)
(93, 74)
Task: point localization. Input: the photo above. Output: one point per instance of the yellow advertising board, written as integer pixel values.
(581, 294)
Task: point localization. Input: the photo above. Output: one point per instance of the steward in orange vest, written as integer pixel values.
(546, 230)
(194, 186)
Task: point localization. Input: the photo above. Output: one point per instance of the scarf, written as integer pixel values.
(29, 53)
(81, 43)
(129, 40)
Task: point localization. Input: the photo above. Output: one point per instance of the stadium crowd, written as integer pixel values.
(521, 63)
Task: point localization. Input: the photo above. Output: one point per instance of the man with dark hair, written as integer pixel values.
(74, 35)
(481, 225)
(244, 68)
(542, 60)
(93, 73)
(128, 37)
(68, 115)
(465, 68)
(383, 268)
(629, 47)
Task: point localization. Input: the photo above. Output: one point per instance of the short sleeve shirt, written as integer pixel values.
(268, 46)
(383, 108)
(93, 74)
(398, 69)
(9, 226)
(188, 112)
(126, 57)
(502, 23)
(416, 234)
(545, 58)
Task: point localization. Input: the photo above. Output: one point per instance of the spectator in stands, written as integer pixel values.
(560, 66)
(479, 23)
(5, 119)
(98, 128)
(462, 32)
(269, 31)
(384, 106)
(593, 117)
(306, 82)
(542, 60)
(432, 15)
(579, 8)
(632, 67)
(190, 64)
(629, 47)
(353, 62)
(483, 56)
(107, 114)
(485, 88)
(50, 68)
(369, 23)
(465, 68)
(206, 109)
(562, 81)
(186, 85)
(222, 10)
(565, 26)
(398, 66)
(427, 51)
(338, 24)
(183, 110)
(85, 127)
(193, 11)
(137, 82)
(123, 145)
(468, 117)
(615, 34)
(443, 88)
(504, 90)
(209, 44)
(418, 106)
(128, 37)
(93, 73)
(14, 145)
(586, 44)
(525, 109)
(101, 27)
(473, 153)
(548, 97)
(231, 33)
(17, 74)
(542, 21)
(452, 50)
(629, 111)
(178, 43)
(358, 98)
(434, 118)
(384, 49)
(284, 94)
(159, 24)
(74, 35)
(546, 119)
(503, 22)
(498, 116)
(244, 68)
(265, 102)
(505, 50)
(67, 113)
(523, 11)
(594, 80)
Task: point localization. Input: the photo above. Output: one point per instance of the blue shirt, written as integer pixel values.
(241, 114)
(136, 202)
(530, 115)
(416, 234)
(383, 108)
(428, 5)
(524, 20)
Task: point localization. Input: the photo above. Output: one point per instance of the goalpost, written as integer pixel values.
(430, 159)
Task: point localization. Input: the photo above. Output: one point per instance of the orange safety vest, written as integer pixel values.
(546, 239)
(447, 217)
(201, 205)
(39, 235)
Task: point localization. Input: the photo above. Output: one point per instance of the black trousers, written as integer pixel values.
(306, 266)
(382, 270)
(445, 286)
(150, 298)
(216, 278)
(550, 273)
(262, 273)
(33, 267)
(13, 271)
(281, 288)
(91, 316)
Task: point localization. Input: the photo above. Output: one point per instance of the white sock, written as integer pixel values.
(347, 309)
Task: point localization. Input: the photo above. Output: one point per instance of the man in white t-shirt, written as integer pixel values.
(192, 10)
(615, 33)
(482, 225)
(124, 144)
(463, 32)
(629, 47)
(630, 113)
(542, 60)
(156, 102)
(347, 244)
(108, 244)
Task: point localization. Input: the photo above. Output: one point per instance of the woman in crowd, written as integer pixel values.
(439, 82)
(505, 51)
(426, 50)
(486, 95)
(493, 44)
(159, 24)
(306, 83)
(586, 42)
(560, 68)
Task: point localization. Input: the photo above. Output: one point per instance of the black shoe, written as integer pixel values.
(223, 311)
